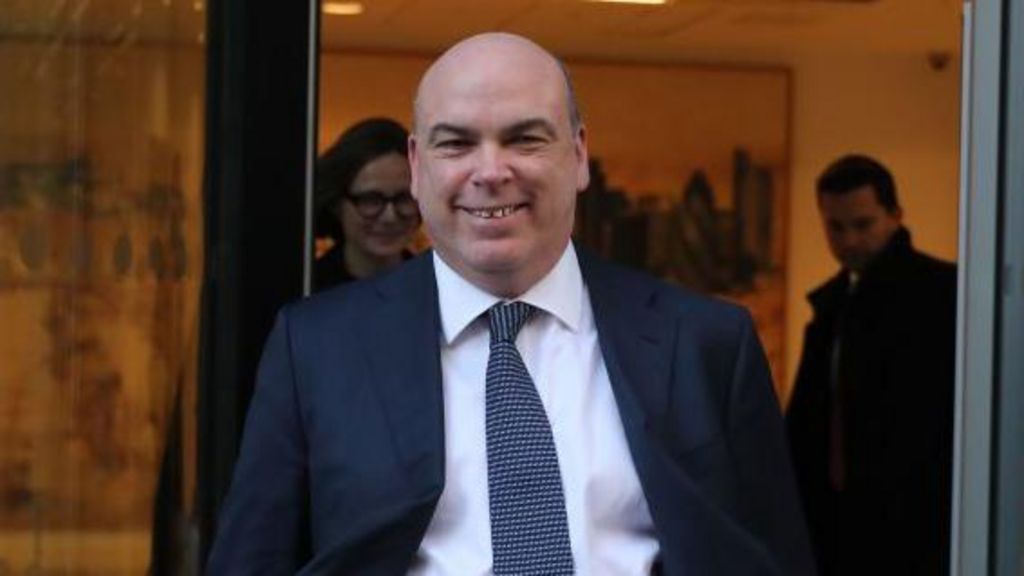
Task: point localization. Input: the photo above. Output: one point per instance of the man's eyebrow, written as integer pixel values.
(443, 128)
(531, 124)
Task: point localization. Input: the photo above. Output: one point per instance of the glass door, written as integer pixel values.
(101, 256)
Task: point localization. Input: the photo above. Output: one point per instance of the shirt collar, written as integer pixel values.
(559, 293)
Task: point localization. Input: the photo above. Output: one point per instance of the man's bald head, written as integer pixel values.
(498, 156)
(495, 49)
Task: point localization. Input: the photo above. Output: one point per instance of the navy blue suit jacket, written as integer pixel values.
(342, 460)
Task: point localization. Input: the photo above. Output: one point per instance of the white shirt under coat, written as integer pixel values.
(609, 523)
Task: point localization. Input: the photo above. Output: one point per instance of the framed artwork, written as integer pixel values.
(689, 180)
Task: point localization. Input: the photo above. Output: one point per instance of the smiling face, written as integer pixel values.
(496, 163)
(384, 236)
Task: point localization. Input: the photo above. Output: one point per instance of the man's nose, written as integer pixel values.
(492, 168)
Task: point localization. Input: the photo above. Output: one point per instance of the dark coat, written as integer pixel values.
(896, 377)
(330, 270)
(342, 462)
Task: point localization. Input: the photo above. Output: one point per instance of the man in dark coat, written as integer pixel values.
(870, 421)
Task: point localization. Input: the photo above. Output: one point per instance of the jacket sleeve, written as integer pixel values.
(761, 458)
(263, 523)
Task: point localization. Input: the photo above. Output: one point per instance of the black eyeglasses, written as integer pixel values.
(370, 205)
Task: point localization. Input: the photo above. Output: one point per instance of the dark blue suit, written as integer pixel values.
(342, 462)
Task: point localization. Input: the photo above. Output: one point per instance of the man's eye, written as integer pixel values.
(452, 143)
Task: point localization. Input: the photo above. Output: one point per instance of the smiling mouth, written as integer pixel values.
(495, 212)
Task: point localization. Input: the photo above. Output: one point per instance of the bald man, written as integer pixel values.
(508, 403)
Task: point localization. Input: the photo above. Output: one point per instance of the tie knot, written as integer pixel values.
(507, 319)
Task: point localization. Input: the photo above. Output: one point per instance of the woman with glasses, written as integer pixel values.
(363, 203)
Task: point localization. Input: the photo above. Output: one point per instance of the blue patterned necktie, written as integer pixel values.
(529, 529)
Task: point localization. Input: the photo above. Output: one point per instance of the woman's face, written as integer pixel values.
(389, 232)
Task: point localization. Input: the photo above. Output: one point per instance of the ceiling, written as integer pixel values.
(683, 30)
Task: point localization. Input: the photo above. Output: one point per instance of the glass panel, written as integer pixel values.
(100, 261)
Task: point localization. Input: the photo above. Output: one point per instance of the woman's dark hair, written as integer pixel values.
(338, 166)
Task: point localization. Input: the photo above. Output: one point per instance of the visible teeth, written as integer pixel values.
(488, 213)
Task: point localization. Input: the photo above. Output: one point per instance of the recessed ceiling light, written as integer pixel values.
(644, 2)
(343, 8)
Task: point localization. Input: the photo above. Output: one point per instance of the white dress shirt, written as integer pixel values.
(609, 523)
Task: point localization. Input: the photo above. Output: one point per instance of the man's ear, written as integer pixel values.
(413, 155)
(582, 159)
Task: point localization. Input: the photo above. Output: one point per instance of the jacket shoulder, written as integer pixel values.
(826, 292)
(934, 267)
(353, 303)
(697, 311)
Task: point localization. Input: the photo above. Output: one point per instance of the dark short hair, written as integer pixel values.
(855, 171)
(339, 165)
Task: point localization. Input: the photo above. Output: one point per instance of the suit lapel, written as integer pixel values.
(635, 343)
(404, 356)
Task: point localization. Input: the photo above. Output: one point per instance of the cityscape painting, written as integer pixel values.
(689, 181)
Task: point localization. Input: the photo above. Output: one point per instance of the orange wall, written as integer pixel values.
(345, 79)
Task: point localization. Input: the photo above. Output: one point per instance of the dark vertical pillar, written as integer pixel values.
(256, 171)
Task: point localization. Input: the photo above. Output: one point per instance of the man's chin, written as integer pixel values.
(496, 254)
(497, 264)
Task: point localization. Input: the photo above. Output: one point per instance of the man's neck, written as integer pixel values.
(508, 286)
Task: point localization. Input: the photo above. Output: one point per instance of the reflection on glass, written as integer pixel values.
(100, 260)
